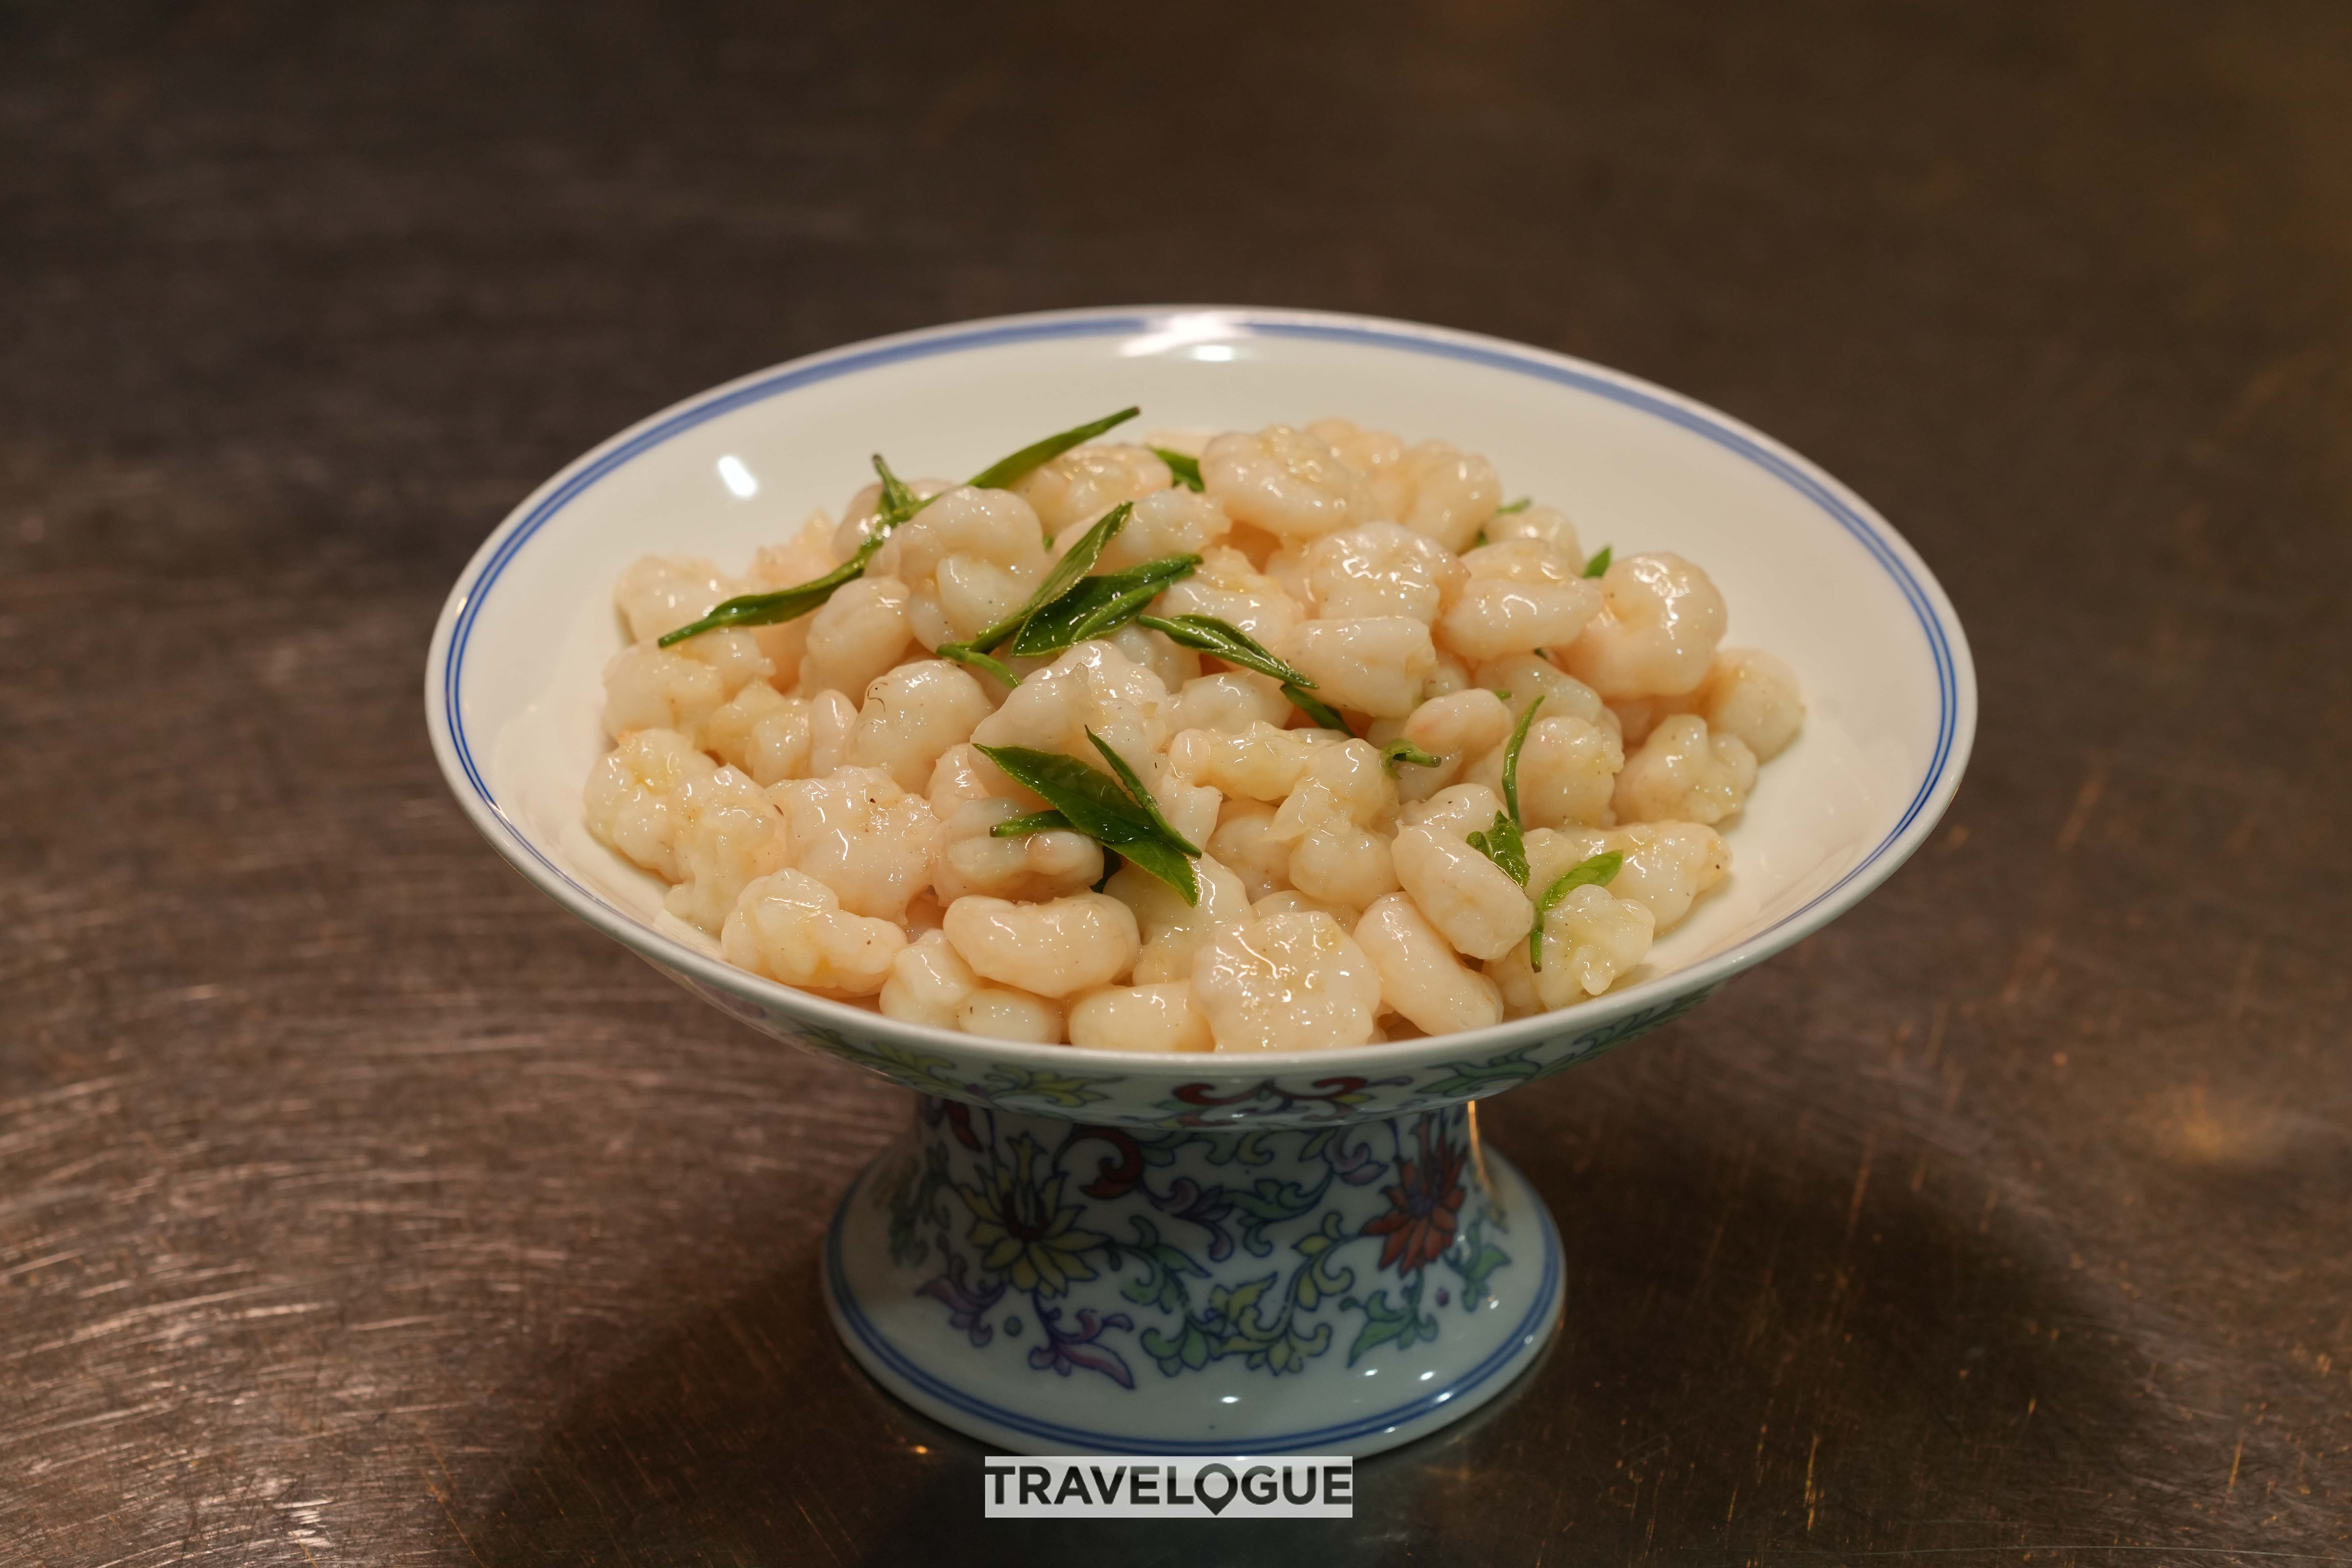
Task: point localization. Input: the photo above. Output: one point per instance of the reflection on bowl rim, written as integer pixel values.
(1152, 329)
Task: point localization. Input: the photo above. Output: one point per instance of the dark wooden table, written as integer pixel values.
(356, 1205)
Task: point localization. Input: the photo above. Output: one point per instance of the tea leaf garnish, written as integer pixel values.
(1598, 872)
(1186, 469)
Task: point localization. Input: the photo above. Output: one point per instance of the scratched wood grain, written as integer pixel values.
(357, 1207)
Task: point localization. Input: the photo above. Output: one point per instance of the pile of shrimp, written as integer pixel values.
(814, 794)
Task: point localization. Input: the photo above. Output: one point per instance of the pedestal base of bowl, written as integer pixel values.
(1049, 1286)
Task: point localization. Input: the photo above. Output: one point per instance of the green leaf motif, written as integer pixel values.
(1507, 508)
(1322, 1279)
(913, 1202)
(1068, 1090)
(1270, 1201)
(902, 1065)
(1268, 1331)
(1475, 1259)
(1249, 1149)
(1401, 1325)
(1598, 565)
(1229, 1303)
(1165, 1269)
(1292, 1350)
(1469, 1080)
(1188, 1353)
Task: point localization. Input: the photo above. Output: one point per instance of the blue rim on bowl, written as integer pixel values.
(1946, 644)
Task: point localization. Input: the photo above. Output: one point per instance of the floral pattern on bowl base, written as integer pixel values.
(1053, 1286)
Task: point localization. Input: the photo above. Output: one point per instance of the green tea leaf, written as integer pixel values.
(1160, 859)
(1093, 802)
(896, 505)
(1186, 469)
(1598, 563)
(1399, 752)
(1122, 606)
(1104, 807)
(1005, 471)
(1166, 569)
(1235, 646)
(1511, 767)
(1080, 558)
(897, 502)
(783, 605)
(1075, 563)
(965, 654)
(1036, 821)
(1507, 508)
(1226, 641)
(1056, 626)
(1097, 606)
(1505, 846)
(1142, 795)
(1326, 717)
(1599, 872)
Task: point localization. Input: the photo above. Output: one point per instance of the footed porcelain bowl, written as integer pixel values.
(1085, 1251)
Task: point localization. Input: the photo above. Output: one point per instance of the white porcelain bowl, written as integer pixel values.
(1811, 572)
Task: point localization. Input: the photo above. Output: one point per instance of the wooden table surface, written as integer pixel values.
(357, 1205)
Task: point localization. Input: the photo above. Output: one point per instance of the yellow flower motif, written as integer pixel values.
(1022, 1227)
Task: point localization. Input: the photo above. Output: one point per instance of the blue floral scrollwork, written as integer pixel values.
(1190, 1248)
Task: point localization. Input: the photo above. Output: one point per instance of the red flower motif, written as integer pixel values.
(956, 1114)
(1422, 1206)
